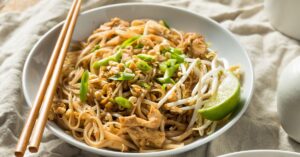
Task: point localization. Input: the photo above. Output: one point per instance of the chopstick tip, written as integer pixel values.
(19, 154)
(33, 149)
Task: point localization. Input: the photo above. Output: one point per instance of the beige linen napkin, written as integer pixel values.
(268, 49)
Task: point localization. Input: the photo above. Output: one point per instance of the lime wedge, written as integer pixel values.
(225, 100)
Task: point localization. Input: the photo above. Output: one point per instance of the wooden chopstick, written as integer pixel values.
(30, 122)
(43, 116)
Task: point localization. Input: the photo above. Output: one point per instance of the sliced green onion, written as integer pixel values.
(143, 66)
(118, 55)
(164, 87)
(175, 50)
(97, 47)
(121, 101)
(171, 62)
(139, 46)
(165, 24)
(103, 62)
(123, 76)
(167, 64)
(128, 63)
(130, 41)
(164, 80)
(179, 58)
(145, 85)
(169, 68)
(145, 57)
(84, 86)
(170, 71)
(163, 66)
(175, 54)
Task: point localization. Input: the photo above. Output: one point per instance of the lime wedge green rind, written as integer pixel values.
(225, 101)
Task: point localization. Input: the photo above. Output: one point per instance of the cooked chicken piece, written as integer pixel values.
(116, 22)
(125, 34)
(195, 43)
(154, 120)
(156, 28)
(199, 47)
(145, 137)
(115, 145)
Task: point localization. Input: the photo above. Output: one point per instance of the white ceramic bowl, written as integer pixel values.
(221, 39)
(284, 16)
(262, 153)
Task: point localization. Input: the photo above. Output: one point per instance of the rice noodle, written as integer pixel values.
(119, 105)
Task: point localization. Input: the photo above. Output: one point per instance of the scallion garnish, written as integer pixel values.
(145, 57)
(167, 64)
(165, 24)
(129, 41)
(97, 47)
(121, 101)
(175, 54)
(164, 80)
(145, 85)
(123, 76)
(139, 46)
(169, 68)
(128, 63)
(84, 86)
(170, 71)
(104, 62)
(118, 55)
(143, 66)
(164, 87)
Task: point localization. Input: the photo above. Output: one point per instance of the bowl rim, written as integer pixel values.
(283, 152)
(196, 143)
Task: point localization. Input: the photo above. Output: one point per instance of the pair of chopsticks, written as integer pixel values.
(43, 100)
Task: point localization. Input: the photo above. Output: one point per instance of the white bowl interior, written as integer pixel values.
(222, 41)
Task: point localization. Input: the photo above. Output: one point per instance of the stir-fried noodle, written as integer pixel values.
(137, 86)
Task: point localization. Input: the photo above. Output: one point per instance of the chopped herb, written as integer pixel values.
(145, 85)
(128, 63)
(118, 55)
(121, 101)
(163, 66)
(97, 47)
(167, 64)
(84, 86)
(164, 80)
(165, 24)
(139, 46)
(130, 41)
(171, 71)
(123, 76)
(104, 62)
(143, 66)
(169, 68)
(175, 54)
(164, 87)
(145, 57)
(175, 50)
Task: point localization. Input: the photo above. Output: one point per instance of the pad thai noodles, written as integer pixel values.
(137, 86)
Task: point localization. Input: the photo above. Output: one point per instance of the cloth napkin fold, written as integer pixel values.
(269, 50)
